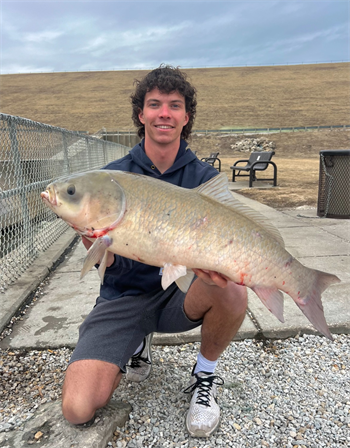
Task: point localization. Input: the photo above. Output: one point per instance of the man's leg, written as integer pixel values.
(223, 311)
(88, 386)
(107, 338)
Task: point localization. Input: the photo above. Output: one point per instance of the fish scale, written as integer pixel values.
(160, 224)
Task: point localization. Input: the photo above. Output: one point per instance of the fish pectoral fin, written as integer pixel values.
(272, 298)
(172, 273)
(95, 254)
(102, 268)
(185, 281)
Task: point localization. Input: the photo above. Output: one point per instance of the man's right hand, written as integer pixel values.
(87, 243)
(212, 278)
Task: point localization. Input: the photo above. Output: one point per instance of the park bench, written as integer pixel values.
(212, 159)
(258, 161)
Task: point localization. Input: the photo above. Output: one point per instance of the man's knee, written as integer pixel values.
(233, 299)
(76, 411)
(80, 406)
(202, 299)
(88, 388)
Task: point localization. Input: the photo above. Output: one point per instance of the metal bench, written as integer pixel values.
(258, 161)
(212, 159)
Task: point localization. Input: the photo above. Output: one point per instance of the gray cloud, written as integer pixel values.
(60, 36)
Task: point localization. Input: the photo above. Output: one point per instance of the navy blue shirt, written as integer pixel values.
(128, 277)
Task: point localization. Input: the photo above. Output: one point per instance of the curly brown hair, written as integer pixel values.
(167, 79)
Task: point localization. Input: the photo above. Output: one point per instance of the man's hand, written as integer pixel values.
(212, 278)
(87, 243)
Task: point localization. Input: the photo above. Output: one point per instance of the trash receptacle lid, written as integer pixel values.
(336, 152)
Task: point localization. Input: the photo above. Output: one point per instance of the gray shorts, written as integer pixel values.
(115, 328)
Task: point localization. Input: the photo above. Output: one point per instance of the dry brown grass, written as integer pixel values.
(297, 158)
(297, 183)
(280, 96)
(300, 95)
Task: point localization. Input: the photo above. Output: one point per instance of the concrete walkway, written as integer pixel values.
(64, 301)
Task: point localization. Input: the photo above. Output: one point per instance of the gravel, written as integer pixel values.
(277, 393)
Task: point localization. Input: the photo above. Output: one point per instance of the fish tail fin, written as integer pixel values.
(311, 303)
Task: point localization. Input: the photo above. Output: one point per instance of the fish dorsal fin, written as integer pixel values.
(217, 189)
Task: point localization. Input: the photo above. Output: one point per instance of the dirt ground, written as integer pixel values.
(297, 156)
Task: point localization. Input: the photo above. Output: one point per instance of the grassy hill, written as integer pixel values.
(279, 96)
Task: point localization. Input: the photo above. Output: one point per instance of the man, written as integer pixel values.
(116, 336)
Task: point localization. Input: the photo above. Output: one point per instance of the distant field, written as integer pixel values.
(252, 97)
(280, 96)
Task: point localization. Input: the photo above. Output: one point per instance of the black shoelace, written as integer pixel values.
(204, 388)
(135, 360)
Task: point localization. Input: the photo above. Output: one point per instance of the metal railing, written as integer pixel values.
(126, 136)
(272, 130)
(33, 154)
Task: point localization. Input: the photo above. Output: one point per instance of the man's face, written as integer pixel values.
(164, 115)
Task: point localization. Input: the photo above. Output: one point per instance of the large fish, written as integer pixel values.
(163, 225)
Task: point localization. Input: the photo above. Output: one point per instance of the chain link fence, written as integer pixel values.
(33, 154)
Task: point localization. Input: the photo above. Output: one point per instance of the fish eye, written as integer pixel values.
(71, 190)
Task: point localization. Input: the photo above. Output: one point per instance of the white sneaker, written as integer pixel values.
(203, 417)
(139, 366)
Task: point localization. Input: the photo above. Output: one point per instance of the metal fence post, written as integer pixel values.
(19, 177)
(88, 154)
(65, 154)
(104, 147)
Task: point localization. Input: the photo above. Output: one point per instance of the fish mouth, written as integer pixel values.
(49, 197)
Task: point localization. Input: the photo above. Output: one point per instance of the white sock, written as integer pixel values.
(204, 365)
(139, 348)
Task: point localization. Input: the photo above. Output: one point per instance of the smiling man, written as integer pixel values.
(163, 116)
(116, 336)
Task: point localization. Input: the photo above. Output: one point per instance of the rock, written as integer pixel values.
(49, 428)
(38, 435)
(254, 144)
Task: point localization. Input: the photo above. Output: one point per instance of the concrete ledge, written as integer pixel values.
(18, 293)
(49, 428)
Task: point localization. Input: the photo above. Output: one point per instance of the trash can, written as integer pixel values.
(334, 184)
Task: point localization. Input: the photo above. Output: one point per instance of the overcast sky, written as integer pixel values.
(45, 36)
